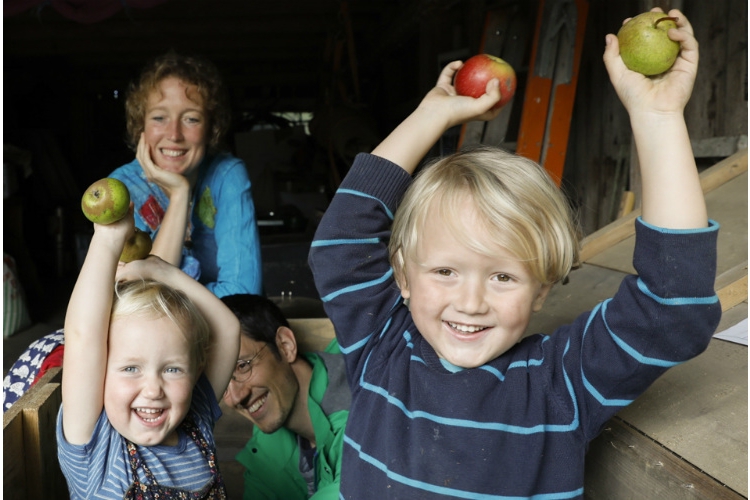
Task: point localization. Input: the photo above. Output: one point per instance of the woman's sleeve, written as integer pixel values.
(238, 257)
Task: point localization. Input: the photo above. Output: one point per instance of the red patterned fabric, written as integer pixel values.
(54, 359)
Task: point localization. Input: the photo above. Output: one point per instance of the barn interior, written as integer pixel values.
(312, 83)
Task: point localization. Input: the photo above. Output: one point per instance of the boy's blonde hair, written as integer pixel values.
(152, 299)
(517, 202)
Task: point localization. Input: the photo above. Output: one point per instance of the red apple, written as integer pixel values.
(471, 80)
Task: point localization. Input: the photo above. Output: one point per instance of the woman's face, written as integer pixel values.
(176, 126)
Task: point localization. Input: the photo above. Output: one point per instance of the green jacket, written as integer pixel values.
(271, 461)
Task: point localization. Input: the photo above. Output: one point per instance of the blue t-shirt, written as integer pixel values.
(224, 249)
(101, 468)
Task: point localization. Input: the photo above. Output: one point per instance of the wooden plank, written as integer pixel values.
(734, 293)
(735, 77)
(514, 53)
(564, 90)
(627, 204)
(718, 147)
(312, 334)
(724, 171)
(493, 38)
(608, 236)
(44, 478)
(705, 111)
(30, 442)
(14, 469)
(535, 102)
(53, 375)
(731, 276)
(732, 316)
(698, 410)
(617, 231)
(588, 286)
(623, 464)
(727, 204)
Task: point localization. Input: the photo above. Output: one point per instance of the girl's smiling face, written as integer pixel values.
(150, 377)
(470, 306)
(175, 126)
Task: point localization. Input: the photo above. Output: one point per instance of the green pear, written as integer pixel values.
(137, 247)
(645, 46)
(106, 201)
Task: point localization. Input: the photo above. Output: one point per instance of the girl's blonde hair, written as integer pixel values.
(518, 204)
(152, 299)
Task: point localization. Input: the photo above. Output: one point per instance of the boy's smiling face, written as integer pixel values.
(469, 306)
(150, 378)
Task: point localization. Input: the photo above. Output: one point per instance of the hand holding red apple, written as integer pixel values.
(471, 80)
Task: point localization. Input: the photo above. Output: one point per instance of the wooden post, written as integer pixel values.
(30, 468)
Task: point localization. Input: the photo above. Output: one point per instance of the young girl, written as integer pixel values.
(142, 374)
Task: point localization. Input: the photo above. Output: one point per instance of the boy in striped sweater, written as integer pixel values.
(450, 397)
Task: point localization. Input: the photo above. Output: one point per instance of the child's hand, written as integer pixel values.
(441, 109)
(666, 93)
(114, 235)
(152, 267)
(444, 100)
(166, 180)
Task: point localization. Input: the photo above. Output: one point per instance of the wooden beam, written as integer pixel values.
(731, 286)
(622, 463)
(30, 466)
(312, 334)
(620, 229)
(14, 468)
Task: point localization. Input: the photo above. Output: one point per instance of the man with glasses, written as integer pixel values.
(298, 402)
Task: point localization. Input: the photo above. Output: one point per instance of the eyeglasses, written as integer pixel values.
(244, 368)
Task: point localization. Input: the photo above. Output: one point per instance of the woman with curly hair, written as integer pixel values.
(191, 197)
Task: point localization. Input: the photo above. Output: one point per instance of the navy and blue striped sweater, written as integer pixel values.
(517, 427)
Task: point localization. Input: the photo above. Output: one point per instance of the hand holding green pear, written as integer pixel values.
(645, 45)
(106, 201)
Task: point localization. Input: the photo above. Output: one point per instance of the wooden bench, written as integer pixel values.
(30, 466)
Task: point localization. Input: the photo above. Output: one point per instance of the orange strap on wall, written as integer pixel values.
(551, 86)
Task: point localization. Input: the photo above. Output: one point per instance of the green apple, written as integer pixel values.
(106, 201)
(137, 247)
(645, 46)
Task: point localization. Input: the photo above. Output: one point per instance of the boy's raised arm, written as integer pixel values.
(440, 110)
(672, 194)
(224, 326)
(87, 331)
